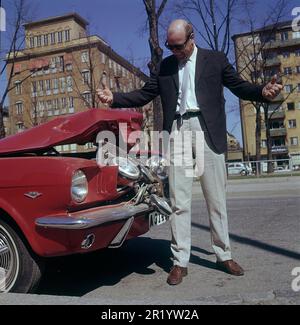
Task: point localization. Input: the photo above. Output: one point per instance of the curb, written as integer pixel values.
(285, 297)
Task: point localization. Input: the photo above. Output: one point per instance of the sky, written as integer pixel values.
(122, 24)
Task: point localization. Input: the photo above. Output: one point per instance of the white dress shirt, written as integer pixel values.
(191, 100)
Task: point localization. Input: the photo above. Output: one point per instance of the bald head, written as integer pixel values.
(180, 39)
(180, 27)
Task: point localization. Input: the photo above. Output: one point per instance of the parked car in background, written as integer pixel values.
(54, 203)
(238, 168)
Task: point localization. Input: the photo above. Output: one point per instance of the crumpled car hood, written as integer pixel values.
(78, 128)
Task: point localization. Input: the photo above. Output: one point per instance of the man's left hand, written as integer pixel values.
(272, 89)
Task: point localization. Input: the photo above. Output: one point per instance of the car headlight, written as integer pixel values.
(158, 165)
(127, 168)
(79, 187)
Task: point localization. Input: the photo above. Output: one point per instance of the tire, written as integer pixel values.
(20, 272)
(243, 173)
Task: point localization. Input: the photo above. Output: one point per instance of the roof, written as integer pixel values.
(272, 27)
(72, 15)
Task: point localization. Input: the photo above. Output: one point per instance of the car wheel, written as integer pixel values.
(19, 271)
(243, 173)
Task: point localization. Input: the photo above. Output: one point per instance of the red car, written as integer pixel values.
(55, 204)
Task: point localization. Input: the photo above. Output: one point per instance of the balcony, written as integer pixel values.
(280, 132)
(282, 44)
(279, 115)
(280, 149)
(272, 62)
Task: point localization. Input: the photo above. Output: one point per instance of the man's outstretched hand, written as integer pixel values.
(272, 89)
(105, 95)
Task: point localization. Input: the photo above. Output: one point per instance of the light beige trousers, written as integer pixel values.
(213, 183)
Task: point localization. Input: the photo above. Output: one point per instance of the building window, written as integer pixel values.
(288, 88)
(62, 84)
(63, 105)
(298, 69)
(292, 124)
(39, 41)
(85, 57)
(59, 37)
(264, 143)
(46, 40)
(69, 67)
(31, 42)
(291, 106)
(71, 105)
(18, 86)
(86, 77)
(19, 108)
(294, 141)
(55, 86)
(69, 84)
(284, 36)
(287, 70)
(67, 35)
(20, 127)
(52, 38)
(87, 98)
(296, 35)
(48, 87)
(286, 55)
(41, 87)
(297, 52)
(34, 88)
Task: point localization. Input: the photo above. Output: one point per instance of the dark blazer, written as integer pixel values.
(213, 71)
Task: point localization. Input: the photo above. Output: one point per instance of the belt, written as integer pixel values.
(187, 115)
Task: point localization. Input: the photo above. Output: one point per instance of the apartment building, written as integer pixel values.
(59, 70)
(276, 50)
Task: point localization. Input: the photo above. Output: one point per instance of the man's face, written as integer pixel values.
(181, 45)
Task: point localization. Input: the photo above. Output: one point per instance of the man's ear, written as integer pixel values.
(192, 36)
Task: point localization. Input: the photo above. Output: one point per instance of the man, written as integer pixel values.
(190, 83)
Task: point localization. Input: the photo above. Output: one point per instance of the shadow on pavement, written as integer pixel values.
(78, 275)
(256, 243)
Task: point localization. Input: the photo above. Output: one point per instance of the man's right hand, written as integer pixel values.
(105, 95)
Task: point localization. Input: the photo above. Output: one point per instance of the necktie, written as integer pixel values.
(184, 88)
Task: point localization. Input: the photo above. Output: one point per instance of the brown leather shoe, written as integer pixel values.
(230, 267)
(176, 275)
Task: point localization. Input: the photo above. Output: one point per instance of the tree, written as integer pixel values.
(22, 11)
(211, 19)
(154, 13)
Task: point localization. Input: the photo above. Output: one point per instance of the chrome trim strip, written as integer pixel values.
(93, 217)
(118, 241)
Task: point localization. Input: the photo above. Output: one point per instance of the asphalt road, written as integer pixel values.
(264, 222)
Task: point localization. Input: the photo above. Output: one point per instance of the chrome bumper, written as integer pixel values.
(93, 217)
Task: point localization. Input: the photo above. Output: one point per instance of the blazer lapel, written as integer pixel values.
(175, 75)
(200, 66)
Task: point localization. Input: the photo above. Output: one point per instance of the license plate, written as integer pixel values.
(157, 219)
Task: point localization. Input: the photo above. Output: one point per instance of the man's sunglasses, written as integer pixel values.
(178, 47)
